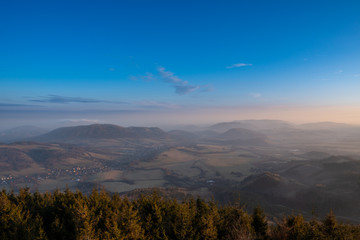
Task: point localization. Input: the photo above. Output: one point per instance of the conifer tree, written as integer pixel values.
(259, 223)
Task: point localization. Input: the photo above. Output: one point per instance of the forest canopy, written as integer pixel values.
(73, 215)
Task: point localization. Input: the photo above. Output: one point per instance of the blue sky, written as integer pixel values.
(178, 62)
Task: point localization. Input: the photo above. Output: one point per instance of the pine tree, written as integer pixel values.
(259, 223)
(330, 224)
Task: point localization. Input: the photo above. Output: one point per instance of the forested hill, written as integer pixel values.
(68, 215)
(97, 131)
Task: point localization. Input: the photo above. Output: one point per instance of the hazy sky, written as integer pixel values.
(178, 62)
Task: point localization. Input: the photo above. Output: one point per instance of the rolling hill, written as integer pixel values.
(243, 136)
(100, 131)
(250, 124)
(21, 132)
(22, 155)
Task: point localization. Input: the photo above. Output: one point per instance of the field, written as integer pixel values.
(203, 163)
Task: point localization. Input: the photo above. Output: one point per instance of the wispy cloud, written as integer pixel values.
(185, 89)
(16, 105)
(147, 77)
(207, 88)
(339, 71)
(255, 95)
(181, 87)
(356, 75)
(63, 100)
(156, 104)
(169, 76)
(237, 65)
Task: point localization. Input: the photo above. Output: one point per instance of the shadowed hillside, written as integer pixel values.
(106, 131)
(250, 124)
(243, 136)
(21, 132)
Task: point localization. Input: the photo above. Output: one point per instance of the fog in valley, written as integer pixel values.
(285, 167)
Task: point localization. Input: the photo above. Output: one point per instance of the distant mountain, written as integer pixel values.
(207, 134)
(101, 131)
(315, 155)
(241, 134)
(187, 128)
(183, 135)
(20, 133)
(250, 124)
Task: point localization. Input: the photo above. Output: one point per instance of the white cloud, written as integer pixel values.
(181, 87)
(185, 89)
(237, 65)
(156, 104)
(339, 71)
(65, 100)
(133, 78)
(147, 77)
(255, 95)
(169, 76)
(207, 88)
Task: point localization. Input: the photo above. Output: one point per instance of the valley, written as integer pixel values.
(285, 168)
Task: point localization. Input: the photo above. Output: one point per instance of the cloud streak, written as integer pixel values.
(339, 71)
(185, 89)
(148, 77)
(156, 104)
(64, 100)
(169, 76)
(16, 105)
(181, 87)
(255, 95)
(237, 65)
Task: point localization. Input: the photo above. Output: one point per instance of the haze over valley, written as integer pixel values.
(282, 166)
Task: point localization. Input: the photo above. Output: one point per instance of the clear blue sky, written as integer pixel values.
(178, 62)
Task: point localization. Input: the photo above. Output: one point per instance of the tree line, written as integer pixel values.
(73, 215)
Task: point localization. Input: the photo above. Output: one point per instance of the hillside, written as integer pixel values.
(250, 124)
(328, 184)
(13, 159)
(33, 159)
(243, 136)
(21, 132)
(100, 131)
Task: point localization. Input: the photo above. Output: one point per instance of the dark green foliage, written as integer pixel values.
(259, 223)
(235, 223)
(72, 215)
